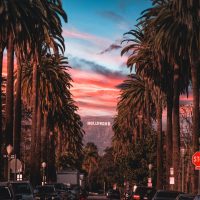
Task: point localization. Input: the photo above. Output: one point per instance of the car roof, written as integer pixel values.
(4, 183)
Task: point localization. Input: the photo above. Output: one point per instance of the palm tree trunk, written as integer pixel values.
(17, 112)
(9, 92)
(159, 146)
(59, 144)
(169, 143)
(176, 126)
(38, 145)
(147, 104)
(45, 138)
(33, 176)
(51, 163)
(195, 127)
(1, 134)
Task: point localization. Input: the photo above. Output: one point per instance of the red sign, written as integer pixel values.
(196, 159)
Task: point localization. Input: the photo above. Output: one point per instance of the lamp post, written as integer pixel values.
(150, 166)
(9, 150)
(182, 151)
(43, 172)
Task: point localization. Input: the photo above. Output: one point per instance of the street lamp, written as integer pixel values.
(81, 178)
(43, 172)
(150, 166)
(9, 150)
(182, 151)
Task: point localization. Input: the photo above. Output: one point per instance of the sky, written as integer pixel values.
(93, 38)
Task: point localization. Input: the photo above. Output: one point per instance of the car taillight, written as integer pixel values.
(136, 197)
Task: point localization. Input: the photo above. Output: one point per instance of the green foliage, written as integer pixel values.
(134, 166)
(69, 161)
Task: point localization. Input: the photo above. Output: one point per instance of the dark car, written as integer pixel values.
(60, 189)
(197, 197)
(6, 192)
(22, 190)
(185, 197)
(166, 195)
(46, 192)
(113, 194)
(144, 192)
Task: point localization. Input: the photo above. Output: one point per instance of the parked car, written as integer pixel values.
(60, 189)
(197, 197)
(166, 195)
(22, 190)
(113, 194)
(46, 192)
(144, 192)
(6, 192)
(185, 197)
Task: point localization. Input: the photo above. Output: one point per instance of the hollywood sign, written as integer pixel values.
(92, 123)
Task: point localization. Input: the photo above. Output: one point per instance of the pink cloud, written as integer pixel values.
(85, 36)
(95, 93)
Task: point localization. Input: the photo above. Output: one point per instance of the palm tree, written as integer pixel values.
(55, 102)
(90, 161)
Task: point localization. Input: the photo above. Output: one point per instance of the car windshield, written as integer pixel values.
(46, 189)
(21, 188)
(4, 193)
(59, 186)
(168, 194)
(143, 190)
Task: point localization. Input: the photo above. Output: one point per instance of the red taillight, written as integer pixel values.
(136, 197)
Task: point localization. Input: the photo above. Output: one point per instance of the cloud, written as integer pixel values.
(110, 48)
(116, 18)
(95, 91)
(123, 4)
(112, 16)
(83, 64)
(76, 34)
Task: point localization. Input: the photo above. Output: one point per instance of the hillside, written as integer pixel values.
(98, 130)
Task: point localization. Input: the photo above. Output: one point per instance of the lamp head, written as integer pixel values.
(44, 165)
(150, 166)
(9, 149)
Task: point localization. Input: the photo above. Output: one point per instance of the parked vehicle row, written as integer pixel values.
(149, 193)
(22, 190)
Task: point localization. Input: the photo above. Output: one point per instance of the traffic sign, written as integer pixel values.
(196, 159)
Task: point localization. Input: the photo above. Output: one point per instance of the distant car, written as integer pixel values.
(46, 192)
(22, 190)
(166, 195)
(144, 192)
(185, 197)
(6, 192)
(113, 194)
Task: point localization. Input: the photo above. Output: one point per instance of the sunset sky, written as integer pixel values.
(93, 37)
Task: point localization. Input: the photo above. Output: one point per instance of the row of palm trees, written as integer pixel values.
(31, 35)
(164, 50)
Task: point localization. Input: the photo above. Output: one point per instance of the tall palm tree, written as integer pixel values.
(90, 160)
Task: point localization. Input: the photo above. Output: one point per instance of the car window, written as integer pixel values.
(46, 189)
(144, 190)
(167, 194)
(21, 188)
(5, 193)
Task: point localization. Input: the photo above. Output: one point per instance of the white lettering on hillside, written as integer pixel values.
(96, 123)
